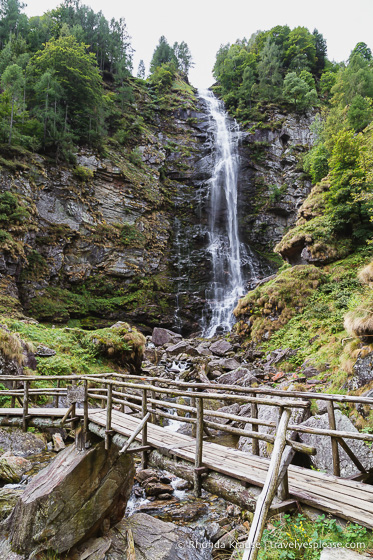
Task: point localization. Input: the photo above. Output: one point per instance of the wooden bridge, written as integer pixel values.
(132, 407)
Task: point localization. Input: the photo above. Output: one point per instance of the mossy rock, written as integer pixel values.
(121, 343)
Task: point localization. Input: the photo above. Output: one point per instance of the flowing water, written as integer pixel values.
(227, 253)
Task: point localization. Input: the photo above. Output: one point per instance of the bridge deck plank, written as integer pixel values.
(347, 498)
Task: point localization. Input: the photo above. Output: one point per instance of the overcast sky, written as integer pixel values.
(206, 24)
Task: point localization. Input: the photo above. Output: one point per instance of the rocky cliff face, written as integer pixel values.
(272, 181)
(123, 235)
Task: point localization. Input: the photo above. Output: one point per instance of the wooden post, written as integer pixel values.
(199, 449)
(335, 450)
(153, 417)
(193, 404)
(85, 404)
(265, 499)
(254, 428)
(144, 454)
(13, 401)
(57, 402)
(26, 385)
(122, 406)
(109, 412)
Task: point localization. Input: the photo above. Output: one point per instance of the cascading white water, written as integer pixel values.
(224, 244)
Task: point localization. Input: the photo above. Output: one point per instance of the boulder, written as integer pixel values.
(21, 444)
(270, 414)
(203, 350)
(232, 377)
(7, 553)
(157, 488)
(164, 336)
(44, 351)
(153, 540)
(93, 549)
(223, 364)
(221, 347)
(58, 443)
(71, 499)
(13, 468)
(323, 459)
(363, 373)
(8, 499)
(182, 347)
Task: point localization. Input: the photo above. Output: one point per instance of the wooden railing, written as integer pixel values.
(146, 396)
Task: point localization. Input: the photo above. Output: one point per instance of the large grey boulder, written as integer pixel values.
(13, 468)
(323, 459)
(153, 539)
(182, 347)
(76, 495)
(221, 347)
(269, 414)
(240, 376)
(8, 499)
(164, 336)
(21, 444)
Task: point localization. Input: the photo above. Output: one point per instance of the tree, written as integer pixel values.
(360, 112)
(269, 71)
(10, 17)
(321, 52)
(300, 50)
(363, 50)
(163, 54)
(76, 72)
(183, 56)
(298, 92)
(141, 70)
(12, 81)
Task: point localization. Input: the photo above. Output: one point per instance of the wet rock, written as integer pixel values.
(71, 499)
(164, 336)
(183, 485)
(153, 540)
(8, 499)
(143, 474)
(221, 347)
(21, 444)
(156, 489)
(166, 496)
(44, 352)
(231, 409)
(13, 468)
(58, 442)
(323, 459)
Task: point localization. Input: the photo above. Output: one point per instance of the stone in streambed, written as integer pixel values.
(163, 336)
(69, 500)
(156, 489)
(13, 468)
(221, 347)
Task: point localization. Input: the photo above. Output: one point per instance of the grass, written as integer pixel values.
(304, 308)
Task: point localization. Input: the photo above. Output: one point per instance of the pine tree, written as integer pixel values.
(141, 70)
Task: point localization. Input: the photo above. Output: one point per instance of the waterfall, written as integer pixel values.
(224, 245)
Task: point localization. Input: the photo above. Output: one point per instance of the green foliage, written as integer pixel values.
(11, 211)
(316, 162)
(83, 174)
(298, 92)
(294, 537)
(131, 235)
(163, 76)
